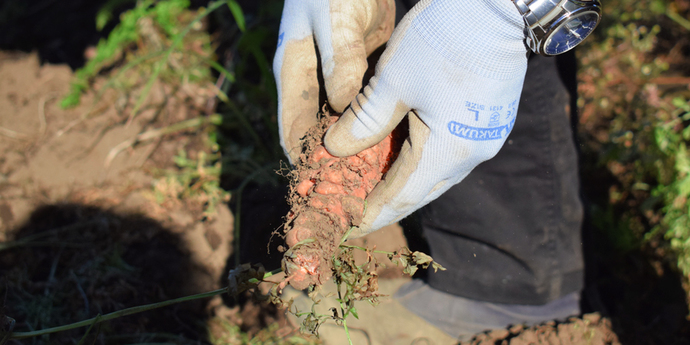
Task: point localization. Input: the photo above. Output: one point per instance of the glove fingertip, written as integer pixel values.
(340, 100)
(339, 142)
(344, 83)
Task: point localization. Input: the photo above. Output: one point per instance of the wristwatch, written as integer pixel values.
(553, 27)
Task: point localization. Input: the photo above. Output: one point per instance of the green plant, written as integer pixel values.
(195, 180)
(633, 124)
(354, 283)
(672, 138)
(248, 276)
(128, 31)
(150, 38)
(249, 136)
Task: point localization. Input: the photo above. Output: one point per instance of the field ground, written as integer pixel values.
(93, 221)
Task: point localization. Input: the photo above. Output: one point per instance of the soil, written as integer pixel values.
(327, 198)
(55, 186)
(590, 329)
(89, 236)
(89, 239)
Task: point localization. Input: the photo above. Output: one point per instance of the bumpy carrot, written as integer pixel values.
(327, 198)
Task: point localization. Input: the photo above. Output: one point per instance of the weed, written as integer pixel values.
(672, 137)
(633, 101)
(226, 333)
(195, 181)
(133, 27)
(353, 283)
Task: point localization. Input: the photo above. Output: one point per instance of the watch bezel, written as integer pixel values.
(541, 21)
(558, 25)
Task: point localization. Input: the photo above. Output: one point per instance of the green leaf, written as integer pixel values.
(681, 103)
(105, 13)
(436, 266)
(422, 259)
(409, 269)
(229, 75)
(353, 311)
(102, 18)
(158, 67)
(237, 13)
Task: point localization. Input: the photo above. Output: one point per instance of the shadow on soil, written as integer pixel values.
(262, 212)
(643, 297)
(72, 262)
(639, 289)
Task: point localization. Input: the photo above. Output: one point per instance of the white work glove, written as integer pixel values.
(345, 33)
(456, 68)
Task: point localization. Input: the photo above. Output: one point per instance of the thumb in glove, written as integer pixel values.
(459, 84)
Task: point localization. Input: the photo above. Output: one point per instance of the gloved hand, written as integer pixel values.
(456, 68)
(345, 33)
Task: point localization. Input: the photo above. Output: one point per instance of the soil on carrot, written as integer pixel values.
(327, 198)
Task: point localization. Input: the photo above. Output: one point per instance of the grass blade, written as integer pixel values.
(238, 14)
(176, 41)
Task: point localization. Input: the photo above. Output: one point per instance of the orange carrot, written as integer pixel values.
(327, 199)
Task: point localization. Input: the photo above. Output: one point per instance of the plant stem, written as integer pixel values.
(129, 311)
(345, 236)
(116, 314)
(347, 331)
(342, 311)
(365, 249)
(678, 18)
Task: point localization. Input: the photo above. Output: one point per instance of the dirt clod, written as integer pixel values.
(590, 329)
(327, 199)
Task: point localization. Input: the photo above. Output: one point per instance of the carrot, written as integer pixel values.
(303, 187)
(320, 153)
(327, 198)
(325, 187)
(334, 177)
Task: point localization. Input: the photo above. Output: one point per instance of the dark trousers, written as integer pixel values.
(511, 231)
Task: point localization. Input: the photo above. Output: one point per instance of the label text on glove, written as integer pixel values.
(479, 133)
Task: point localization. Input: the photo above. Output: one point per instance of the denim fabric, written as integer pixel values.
(511, 231)
(462, 318)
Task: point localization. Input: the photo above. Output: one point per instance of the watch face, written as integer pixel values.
(570, 33)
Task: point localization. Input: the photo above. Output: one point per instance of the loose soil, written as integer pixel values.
(327, 199)
(590, 329)
(90, 239)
